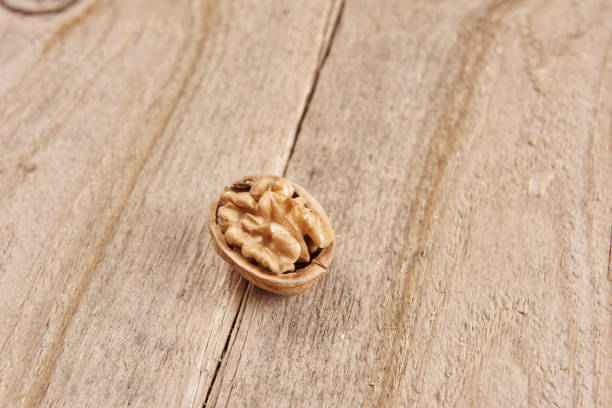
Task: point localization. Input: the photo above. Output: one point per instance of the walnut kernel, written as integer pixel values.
(271, 224)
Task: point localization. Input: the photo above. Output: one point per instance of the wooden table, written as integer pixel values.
(463, 151)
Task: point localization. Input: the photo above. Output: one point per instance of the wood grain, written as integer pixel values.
(463, 152)
(120, 122)
(464, 156)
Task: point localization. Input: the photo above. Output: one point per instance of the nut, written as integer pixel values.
(273, 232)
(270, 225)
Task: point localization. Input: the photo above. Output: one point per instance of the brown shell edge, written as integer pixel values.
(289, 284)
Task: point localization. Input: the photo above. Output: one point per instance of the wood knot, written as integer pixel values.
(36, 7)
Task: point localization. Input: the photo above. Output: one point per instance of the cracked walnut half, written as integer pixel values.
(276, 226)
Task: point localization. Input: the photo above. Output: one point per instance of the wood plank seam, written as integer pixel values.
(326, 46)
(239, 314)
(39, 385)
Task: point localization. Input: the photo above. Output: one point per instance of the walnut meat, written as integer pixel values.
(273, 232)
(271, 224)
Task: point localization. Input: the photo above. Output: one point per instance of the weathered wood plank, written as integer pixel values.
(464, 154)
(119, 122)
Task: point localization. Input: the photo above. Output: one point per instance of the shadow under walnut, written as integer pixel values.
(289, 283)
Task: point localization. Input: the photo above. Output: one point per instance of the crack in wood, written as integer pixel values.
(323, 54)
(226, 346)
(326, 46)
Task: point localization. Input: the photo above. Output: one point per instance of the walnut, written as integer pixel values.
(266, 226)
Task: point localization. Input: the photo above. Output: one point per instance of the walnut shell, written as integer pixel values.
(276, 204)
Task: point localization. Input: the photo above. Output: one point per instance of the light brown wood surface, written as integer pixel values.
(462, 150)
